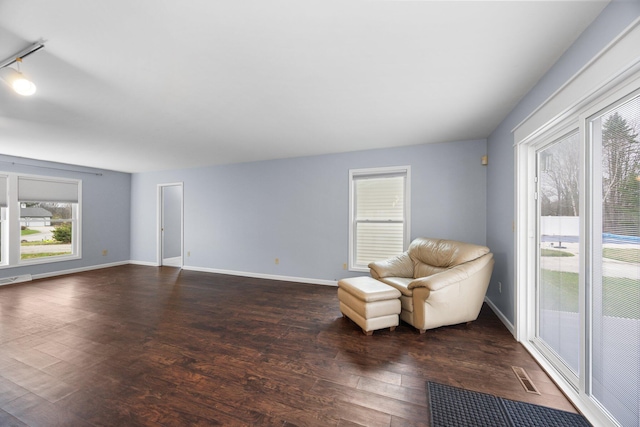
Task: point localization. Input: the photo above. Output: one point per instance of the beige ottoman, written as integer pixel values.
(369, 303)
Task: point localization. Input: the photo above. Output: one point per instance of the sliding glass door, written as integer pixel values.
(614, 285)
(585, 287)
(558, 256)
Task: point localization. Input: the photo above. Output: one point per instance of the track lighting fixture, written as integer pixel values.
(15, 78)
(17, 81)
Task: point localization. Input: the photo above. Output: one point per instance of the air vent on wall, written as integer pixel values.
(15, 279)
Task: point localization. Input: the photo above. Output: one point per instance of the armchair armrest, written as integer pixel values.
(400, 266)
(451, 276)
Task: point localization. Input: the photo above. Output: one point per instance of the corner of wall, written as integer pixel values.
(501, 316)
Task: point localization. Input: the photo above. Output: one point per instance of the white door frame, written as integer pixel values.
(159, 219)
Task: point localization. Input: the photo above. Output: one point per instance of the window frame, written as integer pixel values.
(11, 237)
(379, 172)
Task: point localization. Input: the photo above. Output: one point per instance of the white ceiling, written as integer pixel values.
(148, 85)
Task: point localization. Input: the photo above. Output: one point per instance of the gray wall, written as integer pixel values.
(105, 214)
(241, 217)
(501, 172)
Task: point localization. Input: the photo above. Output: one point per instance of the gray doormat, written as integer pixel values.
(456, 407)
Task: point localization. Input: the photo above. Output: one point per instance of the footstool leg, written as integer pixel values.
(393, 328)
(367, 333)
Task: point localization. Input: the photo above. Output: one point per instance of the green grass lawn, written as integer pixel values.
(554, 253)
(42, 243)
(621, 296)
(43, 254)
(27, 231)
(622, 254)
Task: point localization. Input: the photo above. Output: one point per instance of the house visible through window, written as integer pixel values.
(379, 223)
(46, 229)
(40, 219)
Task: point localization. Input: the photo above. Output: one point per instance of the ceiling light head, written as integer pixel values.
(13, 77)
(17, 81)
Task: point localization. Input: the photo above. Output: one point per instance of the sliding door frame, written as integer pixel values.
(575, 117)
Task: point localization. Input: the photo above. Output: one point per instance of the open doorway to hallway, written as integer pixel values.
(170, 209)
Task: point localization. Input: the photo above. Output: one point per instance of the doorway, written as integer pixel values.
(170, 233)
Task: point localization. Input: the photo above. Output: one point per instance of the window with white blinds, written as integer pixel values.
(615, 257)
(379, 214)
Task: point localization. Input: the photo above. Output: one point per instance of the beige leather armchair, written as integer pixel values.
(443, 282)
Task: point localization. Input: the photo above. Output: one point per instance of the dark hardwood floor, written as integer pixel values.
(136, 345)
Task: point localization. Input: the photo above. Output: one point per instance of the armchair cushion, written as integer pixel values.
(452, 275)
(400, 283)
(442, 254)
(399, 266)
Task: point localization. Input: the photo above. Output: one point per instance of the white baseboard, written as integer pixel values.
(146, 263)
(78, 270)
(263, 276)
(173, 262)
(186, 267)
(501, 316)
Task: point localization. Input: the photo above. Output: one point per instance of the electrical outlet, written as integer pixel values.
(189, 253)
(104, 252)
(277, 261)
(500, 287)
(344, 266)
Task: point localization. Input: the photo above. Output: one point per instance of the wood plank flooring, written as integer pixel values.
(135, 345)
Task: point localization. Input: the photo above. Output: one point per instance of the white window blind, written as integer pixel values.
(616, 262)
(379, 220)
(3, 191)
(39, 190)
